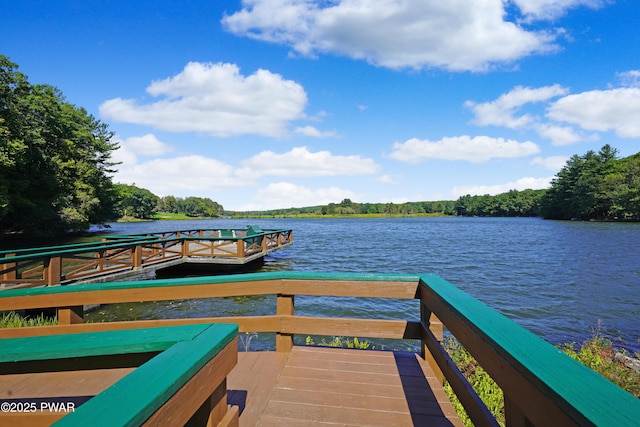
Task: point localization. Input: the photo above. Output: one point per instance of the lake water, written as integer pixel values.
(557, 279)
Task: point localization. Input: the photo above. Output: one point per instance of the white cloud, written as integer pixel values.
(147, 145)
(301, 162)
(275, 195)
(501, 111)
(551, 9)
(180, 176)
(314, 132)
(520, 184)
(386, 179)
(553, 163)
(475, 150)
(217, 100)
(559, 135)
(457, 35)
(629, 78)
(129, 149)
(615, 110)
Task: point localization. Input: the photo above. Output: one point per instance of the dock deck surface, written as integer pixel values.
(329, 386)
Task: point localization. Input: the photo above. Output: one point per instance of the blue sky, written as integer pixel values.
(264, 104)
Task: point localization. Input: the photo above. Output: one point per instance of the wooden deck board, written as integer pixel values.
(328, 386)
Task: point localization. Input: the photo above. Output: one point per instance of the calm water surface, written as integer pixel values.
(557, 279)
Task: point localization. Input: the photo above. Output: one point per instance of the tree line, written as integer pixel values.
(595, 186)
(140, 203)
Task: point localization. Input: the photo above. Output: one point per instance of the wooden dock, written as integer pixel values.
(299, 385)
(119, 257)
(328, 386)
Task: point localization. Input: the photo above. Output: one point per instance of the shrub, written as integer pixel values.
(11, 319)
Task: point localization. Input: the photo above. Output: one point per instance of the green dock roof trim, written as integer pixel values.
(589, 397)
(133, 399)
(233, 278)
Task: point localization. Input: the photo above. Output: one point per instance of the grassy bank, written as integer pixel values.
(597, 353)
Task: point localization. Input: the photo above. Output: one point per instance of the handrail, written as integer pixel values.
(56, 265)
(541, 385)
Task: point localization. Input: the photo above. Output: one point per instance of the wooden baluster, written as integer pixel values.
(284, 307)
(9, 268)
(70, 315)
(136, 256)
(435, 326)
(52, 271)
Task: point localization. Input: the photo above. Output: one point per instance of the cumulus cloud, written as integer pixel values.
(457, 35)
(629, 78)
(130, 148)
(215, 99)
(551, 9)
(180, 176)
(386, 179)
(552, 163)
(478, 149)
(525, 183)
(275, 194)
(560, 135)
(314, 132)
(301, 162)
(568, 117)
(615, 110)
(147, 145)
(501, 112)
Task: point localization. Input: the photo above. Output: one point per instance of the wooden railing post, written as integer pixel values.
(514, 417)
(284, 307)
(52, 271)
(70, 315)
(9, 268)
(431, 322)
(136, 256)
(240, 246)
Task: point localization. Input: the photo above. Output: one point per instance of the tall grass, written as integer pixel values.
(11, 319)
(597, 353)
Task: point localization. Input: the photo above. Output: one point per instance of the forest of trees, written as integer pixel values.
(54, 159)
(140, 203)
(512, 203)
(595, 186)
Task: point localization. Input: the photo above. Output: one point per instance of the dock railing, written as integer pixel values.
(541, 385)
(60, 265)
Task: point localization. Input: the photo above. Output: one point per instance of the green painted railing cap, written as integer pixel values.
(201, 280)
(580, 391)
(133, 399)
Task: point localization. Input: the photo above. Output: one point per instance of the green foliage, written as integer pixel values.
(597, 353)
(510, 204)
(190, 206)
(595, 186)
(54, 159)
(11, 319)
(132, 201)
(482, 383)
(340, 342)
